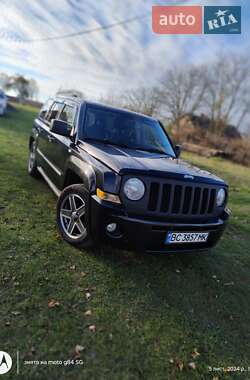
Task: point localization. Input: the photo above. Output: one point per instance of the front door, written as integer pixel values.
(45, 144)
(59, 146)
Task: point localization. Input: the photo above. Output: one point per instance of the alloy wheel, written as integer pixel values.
(72, 215)
(32, 156)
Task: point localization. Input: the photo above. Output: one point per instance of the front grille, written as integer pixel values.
(181, 199)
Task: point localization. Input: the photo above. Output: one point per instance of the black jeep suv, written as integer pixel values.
(119, 179)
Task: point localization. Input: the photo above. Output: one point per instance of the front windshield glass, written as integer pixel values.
(126, 130)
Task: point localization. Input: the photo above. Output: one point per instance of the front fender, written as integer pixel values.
(84, 171)
(34, 133)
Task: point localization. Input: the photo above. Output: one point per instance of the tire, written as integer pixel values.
(73, 219)
(32, 165)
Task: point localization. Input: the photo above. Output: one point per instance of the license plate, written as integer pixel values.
(186, 237)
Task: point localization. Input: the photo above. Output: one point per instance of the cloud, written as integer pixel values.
(102, 62)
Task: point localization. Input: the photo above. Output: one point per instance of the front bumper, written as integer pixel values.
(149, 236)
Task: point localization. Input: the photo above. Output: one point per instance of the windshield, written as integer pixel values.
(126, 130)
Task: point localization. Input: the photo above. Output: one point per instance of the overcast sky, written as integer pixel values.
(126, 56)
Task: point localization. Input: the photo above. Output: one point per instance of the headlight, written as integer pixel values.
(220, 198)
(134, 189)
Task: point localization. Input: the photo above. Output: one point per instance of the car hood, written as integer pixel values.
(124, 161)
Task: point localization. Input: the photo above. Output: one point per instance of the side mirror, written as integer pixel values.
(60, 128)
(178, 150)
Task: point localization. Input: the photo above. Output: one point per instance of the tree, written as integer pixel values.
(228, 88)
(19, 84)
(112, 99)
(182, 91)
(143, 100)
(25, 88)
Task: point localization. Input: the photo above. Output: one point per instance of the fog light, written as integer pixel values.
(111, 227)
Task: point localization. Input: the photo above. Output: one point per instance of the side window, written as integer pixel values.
(68, 115)
(54, 111)
(45, 108)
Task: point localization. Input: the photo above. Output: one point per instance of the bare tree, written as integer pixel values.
(182, 91)
(221, 90)
(228, 88)
(112, 99)
(143, 100)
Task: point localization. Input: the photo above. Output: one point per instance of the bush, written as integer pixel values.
(236, 149)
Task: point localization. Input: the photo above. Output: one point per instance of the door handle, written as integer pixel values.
(51, 138)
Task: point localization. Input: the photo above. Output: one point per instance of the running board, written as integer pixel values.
(49, 182)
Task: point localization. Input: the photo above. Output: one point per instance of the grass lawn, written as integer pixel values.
(150, 312)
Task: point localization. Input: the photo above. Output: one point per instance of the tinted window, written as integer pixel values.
(127, 130)
(68, 114)
(54, 111)
(45, 108)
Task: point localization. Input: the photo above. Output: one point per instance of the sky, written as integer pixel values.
(107, 61)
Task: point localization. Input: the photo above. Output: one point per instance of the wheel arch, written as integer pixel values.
(78, 171)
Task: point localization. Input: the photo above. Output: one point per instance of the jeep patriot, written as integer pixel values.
(118, 178)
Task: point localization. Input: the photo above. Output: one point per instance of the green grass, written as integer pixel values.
(147, 309)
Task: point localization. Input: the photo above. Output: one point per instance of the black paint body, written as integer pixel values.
(143, 224)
